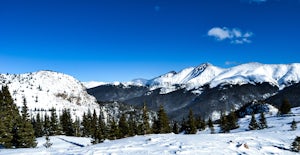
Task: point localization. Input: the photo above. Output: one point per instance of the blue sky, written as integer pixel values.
(119, 40)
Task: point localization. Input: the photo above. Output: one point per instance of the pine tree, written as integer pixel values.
(224, 124)
(25, 132)
(102, 131)
(183, 125)
(253, 124)
(38, 126)
(200, 123)
(10, 117)
(145, 125)
(94, 125)
(211, 126)
(54, 129)
(285, 107)
(296, 145)
(46, 125)
(232, 121)
(175, 128)
(114, 131)
(132, 126)
(191, 124)
(123, 126)
(262, 121)
(293, 125)
(163, 121)
(76, 127)
(67, 123)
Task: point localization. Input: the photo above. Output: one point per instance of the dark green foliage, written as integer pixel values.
(285, 107)
(10, 117)
(224, 124)
(38, 126)
(262, 121)
(175, 128)
(132, 126)
(211, 126)
(294, 125)
(296, 145)
(163, 125)
(191, 124)
(228, 122)
(25, 132)
(46, 125)
(114, 131)
(67, 123)
(183, 125)
(76, 127)
(200, 123)
(123, 126)
(232, 121)
(145, 127)
(54, 124)
(253, 124)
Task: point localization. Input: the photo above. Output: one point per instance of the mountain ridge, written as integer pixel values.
(281, 75)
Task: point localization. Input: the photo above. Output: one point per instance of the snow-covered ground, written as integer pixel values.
(274, 140)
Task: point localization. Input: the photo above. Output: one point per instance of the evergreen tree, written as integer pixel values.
(25, 132)
(54, 124)
(175, 128)
(67, 123)
(76, 127)
(224, 124)
(183, 125)
(132, 126)
(253, 124)
(211, 126)
(145, 124)
(285, 107)
(191, 124)
(46, 126)
(296, 145)
(38, 126)
(200, 123)
(163, 121)
(102, 131)
(123, 126)
(10, 118)
(114, 131)
(262, 121)
(293, 125)
(94, 124)
(232, 121)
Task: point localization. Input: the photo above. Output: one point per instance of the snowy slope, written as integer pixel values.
(46, 89)
(274, 140)
(280, 75)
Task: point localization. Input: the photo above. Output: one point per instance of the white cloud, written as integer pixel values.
(230, 63)
(235, 35)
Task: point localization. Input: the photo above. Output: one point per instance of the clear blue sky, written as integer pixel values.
(119, 40)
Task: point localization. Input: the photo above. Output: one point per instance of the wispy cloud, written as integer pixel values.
(235, 35)
(231, 63)
(254, 1)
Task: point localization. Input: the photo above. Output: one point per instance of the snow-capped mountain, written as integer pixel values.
(46, 89)
(207, 89)
(280, 75)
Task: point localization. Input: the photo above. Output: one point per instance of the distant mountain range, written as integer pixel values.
(207, 89)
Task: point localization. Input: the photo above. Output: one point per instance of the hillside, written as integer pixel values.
(208, 89)
(274, 140)
(46, 89)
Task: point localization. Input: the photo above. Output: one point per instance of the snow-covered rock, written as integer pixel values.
(280, 75)
(46, 89)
